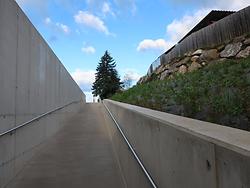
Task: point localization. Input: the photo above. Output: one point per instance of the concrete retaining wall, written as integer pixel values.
(33, 81)
(18, 147)
(181, 152)
(133, 175)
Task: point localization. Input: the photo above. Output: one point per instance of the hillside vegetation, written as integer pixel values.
(218, 93)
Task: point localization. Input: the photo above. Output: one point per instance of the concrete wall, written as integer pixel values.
(32, 82)
(18, 147)
(133, 175)
(32, 79)
(181, 152)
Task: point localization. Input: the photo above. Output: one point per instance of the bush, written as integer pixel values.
(218, 93)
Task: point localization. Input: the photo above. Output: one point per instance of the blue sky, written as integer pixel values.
(135, 32)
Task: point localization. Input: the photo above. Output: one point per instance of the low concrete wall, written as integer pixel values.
(133, 175)
(181, 152)
(18, 147)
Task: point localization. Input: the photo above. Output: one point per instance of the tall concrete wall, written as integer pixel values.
(32, 82)
(32, 79)
(181, 152)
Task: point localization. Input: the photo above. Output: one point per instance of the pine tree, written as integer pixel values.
(107, 81)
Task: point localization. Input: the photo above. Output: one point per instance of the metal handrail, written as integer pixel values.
(132, 149)
(10, 131)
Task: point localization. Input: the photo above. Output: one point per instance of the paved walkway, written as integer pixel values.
(80, 155)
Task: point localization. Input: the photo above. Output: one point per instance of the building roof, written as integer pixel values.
(213, 16)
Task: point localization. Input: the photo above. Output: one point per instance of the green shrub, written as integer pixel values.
(218, 93)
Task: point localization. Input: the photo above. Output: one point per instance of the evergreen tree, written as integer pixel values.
(107, 81)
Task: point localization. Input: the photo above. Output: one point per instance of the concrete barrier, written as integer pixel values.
(33, 82)
(17, 147)
(133, 175)
(181, 152)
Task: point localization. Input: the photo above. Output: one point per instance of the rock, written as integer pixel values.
(159, 69)
(173, 69)
(203, 63)
(231, 50)
(145, 78)
(141, 80)
(209, 55)
(167, 66)
(244, 53)
(221, 60)
(188, 54)
(182, 62)
(183, 69)
(165, 74)
(194, 66)
(247, 41)
(221, 47)
(195, 58)
(197, 52)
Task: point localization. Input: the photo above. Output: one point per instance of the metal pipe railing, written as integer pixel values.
(10, 131)
(150, 179)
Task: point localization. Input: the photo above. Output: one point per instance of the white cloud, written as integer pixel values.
(63, 28)
(179, 28)
(92, 21)
(57, 26)
(84, 78)
(132, 74)
(149, 44)
(106, 9)
(130, 78)
(88, 50)
(47, 21)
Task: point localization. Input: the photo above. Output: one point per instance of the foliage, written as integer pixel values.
(218, 93)
(107, 81)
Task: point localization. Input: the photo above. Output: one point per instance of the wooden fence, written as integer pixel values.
(226, 29)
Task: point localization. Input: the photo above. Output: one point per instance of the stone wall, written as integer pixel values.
(215, 34)
(235, 49)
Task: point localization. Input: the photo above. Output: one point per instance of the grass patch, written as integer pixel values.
(218, 93)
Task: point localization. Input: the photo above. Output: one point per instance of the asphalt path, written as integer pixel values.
(79, 155)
